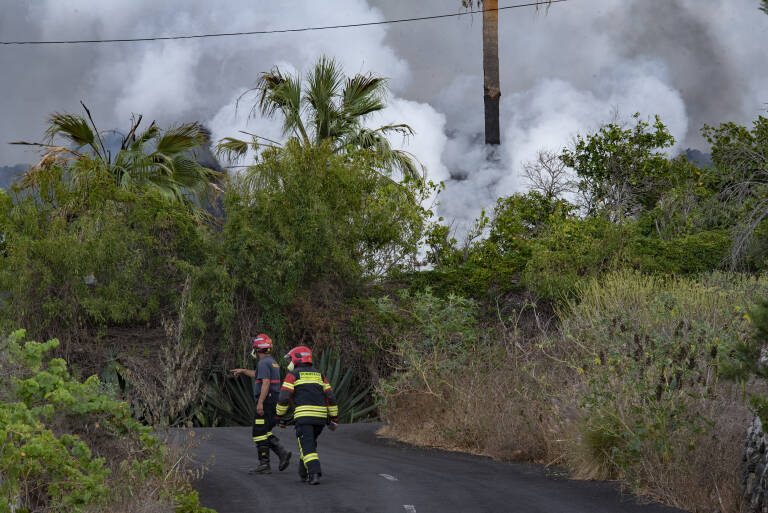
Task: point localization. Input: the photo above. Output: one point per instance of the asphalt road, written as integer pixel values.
(365, 473)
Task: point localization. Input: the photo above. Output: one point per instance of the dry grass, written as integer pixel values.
(154, 495)
(522, 397)
(472, 416)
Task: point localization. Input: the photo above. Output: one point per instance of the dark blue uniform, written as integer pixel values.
(314, 406)
(266, 369)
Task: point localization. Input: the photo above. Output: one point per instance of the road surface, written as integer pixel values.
(365, 473)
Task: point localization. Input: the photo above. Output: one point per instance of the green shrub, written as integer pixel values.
(687, 254)
(426, 337)
(647, 351)
(86, 254)
(572, 251)
(66, 445)
(301, 217)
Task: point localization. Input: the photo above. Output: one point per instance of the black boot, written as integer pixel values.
(302, 471)
(313, 479)
(263, 467)
(285, 456)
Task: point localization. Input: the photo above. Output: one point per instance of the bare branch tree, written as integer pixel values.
(746, 184)
(548, 175)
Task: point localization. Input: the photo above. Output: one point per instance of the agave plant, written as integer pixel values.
(228, 401)
(354, 404)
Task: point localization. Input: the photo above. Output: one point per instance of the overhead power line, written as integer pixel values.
(279, 31)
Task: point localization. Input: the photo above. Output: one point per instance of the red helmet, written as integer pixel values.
(300, 354)
(261, 344)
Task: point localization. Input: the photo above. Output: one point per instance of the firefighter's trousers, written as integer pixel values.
(262, 427)
(307, 435)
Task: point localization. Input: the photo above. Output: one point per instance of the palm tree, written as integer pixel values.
(328, 108)
(155, 159)
(491, 83)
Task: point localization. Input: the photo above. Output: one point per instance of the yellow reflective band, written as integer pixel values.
(311, 411)
(262, 437)
(301, 453)
(326, 387)
(310, 457)
(309, 382)
(333, 411)
(281, 409)
(258, 421)
(288, 385)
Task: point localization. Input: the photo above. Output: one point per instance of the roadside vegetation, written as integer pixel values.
(603, 321)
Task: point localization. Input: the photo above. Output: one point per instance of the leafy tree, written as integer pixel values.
(328, 108)
(747, 358)
(86, 254)
(162, 160)
(764, 6)
(621, 170)
(281, 240)
(740, 156)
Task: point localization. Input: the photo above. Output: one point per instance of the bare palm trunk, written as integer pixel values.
(492, 87)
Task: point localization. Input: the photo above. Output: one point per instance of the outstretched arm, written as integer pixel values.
(247, 372)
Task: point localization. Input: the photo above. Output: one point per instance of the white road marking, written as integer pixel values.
(388, 477)
(410, 508)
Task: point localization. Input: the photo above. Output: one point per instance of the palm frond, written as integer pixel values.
(184, 137)
(363, 95)
(390, 159)
(233, 149)
(282, 93)
(323, 86)
(72, 127)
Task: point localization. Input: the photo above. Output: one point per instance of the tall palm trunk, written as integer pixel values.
(492, 87)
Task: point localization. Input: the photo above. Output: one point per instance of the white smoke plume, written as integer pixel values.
(564, 71)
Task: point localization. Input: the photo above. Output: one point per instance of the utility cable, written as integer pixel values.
(280, 31)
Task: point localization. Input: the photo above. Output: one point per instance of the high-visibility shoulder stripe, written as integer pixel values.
(308, 382)
(287, 386)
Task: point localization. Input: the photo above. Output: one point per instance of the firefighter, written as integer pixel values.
(266, 389)
(314, 407)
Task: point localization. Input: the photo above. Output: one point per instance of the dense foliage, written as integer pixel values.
(70, 446)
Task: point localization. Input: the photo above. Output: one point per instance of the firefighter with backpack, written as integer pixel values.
(314, 407)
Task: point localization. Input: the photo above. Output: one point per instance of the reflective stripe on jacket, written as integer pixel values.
(311, 394)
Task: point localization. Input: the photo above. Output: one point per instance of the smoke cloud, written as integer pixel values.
(564, 71)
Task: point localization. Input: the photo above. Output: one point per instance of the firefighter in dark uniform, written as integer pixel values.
(266, 389)
(314, 407)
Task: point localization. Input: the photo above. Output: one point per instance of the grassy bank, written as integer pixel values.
(626, 387)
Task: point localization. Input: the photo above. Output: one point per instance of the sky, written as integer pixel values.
(564, 71)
